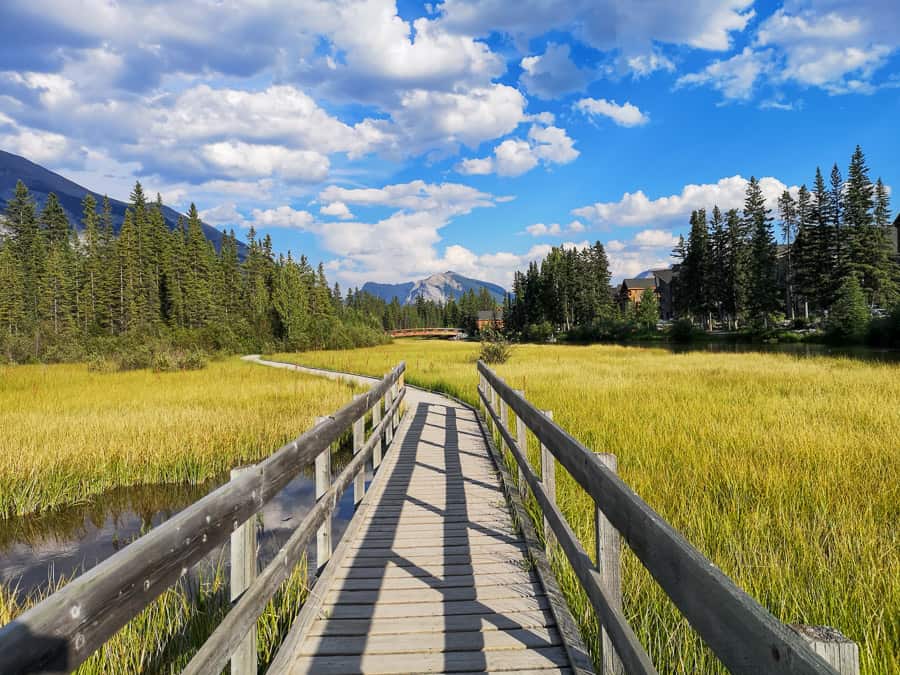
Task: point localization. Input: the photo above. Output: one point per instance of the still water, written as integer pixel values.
(36, 549)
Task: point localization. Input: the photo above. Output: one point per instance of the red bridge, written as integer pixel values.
(427, 332)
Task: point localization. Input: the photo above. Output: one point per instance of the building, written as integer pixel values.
(894, 235)
(660, 281)
(490, 318)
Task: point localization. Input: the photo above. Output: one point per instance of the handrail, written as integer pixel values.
(63, 630)
(743, 634)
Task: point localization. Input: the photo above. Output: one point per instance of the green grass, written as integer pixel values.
(785, 472)
(69, 434)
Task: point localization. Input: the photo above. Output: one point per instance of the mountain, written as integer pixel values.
(41, 182)
(437, 287)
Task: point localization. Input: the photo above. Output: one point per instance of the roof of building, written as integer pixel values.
(639, 283)
(663, 275)
(490, 314)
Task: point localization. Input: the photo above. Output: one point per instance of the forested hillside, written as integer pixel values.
(66, 294)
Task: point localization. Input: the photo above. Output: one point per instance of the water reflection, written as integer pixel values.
(798, 349)
(35, 549)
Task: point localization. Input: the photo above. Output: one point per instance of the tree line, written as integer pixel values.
(66, 291)
(834, 238)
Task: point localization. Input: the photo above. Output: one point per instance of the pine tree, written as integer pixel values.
(803, 252)
(718, 268)
(11, 290)
(788, 210)
(54, 221)
(90, 278)
(882, 211)
(198, 281)
(762, 288)
(694, 276)
(289, 297)
(647, 310)
(29, 249)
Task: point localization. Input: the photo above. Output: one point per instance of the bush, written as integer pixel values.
(494, 347)
(848, 320)
(682, 330)
(539, 332)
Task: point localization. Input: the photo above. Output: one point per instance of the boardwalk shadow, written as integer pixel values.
(363, 597)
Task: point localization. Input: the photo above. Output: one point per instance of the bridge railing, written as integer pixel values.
(62, 631)
(744, 635)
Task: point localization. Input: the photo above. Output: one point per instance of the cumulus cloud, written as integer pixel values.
(515, 156)
(555, 229)
(636, 209)
(283, 216)
(625, 115)
(553, 73)
(250, 160)
(735, 77)
(336, 209)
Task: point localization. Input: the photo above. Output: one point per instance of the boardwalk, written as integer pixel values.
(431, 576)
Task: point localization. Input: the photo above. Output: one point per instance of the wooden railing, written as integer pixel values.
(63, 630)
(426, 332)
(744, 636)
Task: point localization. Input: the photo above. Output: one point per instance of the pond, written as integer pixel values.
(36, 549)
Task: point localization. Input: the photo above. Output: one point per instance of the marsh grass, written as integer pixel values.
(784, 471)
(69, 434)
(165, 636)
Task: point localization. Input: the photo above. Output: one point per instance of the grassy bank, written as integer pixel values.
(783, 471)
(69, 433)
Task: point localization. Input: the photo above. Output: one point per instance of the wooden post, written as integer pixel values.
(376, 420)
(522, 441)
(609, 564)
(548, 478)
(388, 428)
(359, 438)
(395, 418)
(243, 572)
(504, 418)
(323, 482)
(837, 649)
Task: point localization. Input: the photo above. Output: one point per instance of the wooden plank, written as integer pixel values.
(66, 628)
(422, 582)
(242, 574)
(506, 660)
(439, 570)
(432, 624)
(440, 642)
(419, 609)
(324, 540)
(609, 563)
(341, 597)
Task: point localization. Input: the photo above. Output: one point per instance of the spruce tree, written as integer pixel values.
(788, 210)
(762, 287)
(719, 259)
(803, 252)
(882, 211)
(11, 290)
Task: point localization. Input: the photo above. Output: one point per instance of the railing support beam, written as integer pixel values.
(243, 573)
(323, 482)
(609, 564)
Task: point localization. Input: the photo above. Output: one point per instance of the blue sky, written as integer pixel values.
(397, 139)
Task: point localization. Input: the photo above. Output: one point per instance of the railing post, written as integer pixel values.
(395, 420)
(243, 572)
(504, 417)
(359, 438)
(389, 427)
(323, 482)
(548, 478)
(837, 649)
(609, 564)
(376, 420)
(522, 441)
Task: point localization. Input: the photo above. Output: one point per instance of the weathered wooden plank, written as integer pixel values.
(435, 608)
(439, 642)
(438, 570)
(434, 538)
(505, 660)
(342, 597)
(742, 634)
(609, 564)
(242, 574)
(486, 555)
(420, 582)
(432, 624)
(67, 627)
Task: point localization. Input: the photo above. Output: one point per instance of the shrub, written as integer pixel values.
(849, 317)
(494, 347)
(539, 332)
(682, 330)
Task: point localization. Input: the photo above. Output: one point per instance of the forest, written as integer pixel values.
(834, 269)
(69, 295)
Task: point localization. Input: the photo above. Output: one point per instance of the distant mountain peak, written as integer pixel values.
(438, 287)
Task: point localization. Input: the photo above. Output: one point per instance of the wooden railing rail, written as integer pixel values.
(744, 635)
(62, 631)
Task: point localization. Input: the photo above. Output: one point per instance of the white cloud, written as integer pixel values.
(642, 65)
(636, 209)
(223, 214)
(336, 209)
(240, 160)
(655, 239)
(555, 229)
(416, 196)
(625, 115)
(735, 77)
(36, 145)
(515, 156)
(282, 216)
(552, 74)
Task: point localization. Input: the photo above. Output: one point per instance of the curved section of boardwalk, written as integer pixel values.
(433, 576)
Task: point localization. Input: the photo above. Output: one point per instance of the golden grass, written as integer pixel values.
(67, 434)
(785, 472)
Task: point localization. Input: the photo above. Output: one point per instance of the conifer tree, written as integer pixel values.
(647, 310)
(803, 252)
(882, 211)
(718, 268)
(762, 288)
(787, 207)
(11, 290)
(90, 279)
(199, 274)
